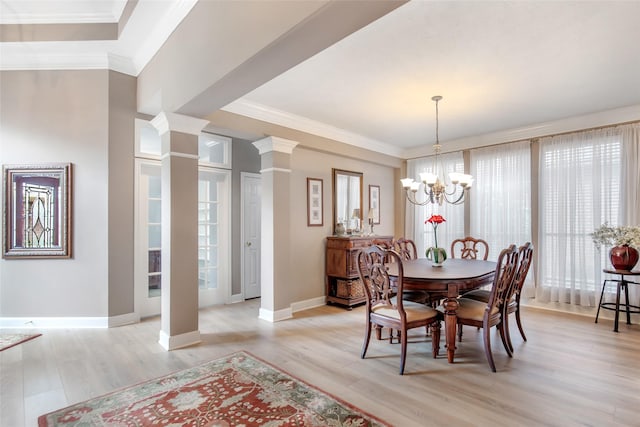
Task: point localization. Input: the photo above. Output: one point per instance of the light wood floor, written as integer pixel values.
(571, 372)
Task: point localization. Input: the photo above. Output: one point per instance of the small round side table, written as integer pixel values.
(622, 284)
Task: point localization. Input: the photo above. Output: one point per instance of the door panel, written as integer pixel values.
(251, 205)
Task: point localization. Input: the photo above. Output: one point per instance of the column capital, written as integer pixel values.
(274, 143)
(166, 122)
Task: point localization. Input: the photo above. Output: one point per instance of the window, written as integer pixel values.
(579, 189)
(501, 196)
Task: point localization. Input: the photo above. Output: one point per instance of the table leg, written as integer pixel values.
(450, 320)
(626, 300)
(615, 322)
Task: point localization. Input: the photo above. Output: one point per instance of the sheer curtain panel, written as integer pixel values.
(580, 184)
(453, 228)
(501, 195)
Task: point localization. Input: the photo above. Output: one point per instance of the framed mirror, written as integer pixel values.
(347, 200)
(37, 211)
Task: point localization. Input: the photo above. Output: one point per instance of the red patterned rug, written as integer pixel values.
(10, 340)
(237, 390)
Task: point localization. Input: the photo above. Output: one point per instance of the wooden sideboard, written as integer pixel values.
(342, 281)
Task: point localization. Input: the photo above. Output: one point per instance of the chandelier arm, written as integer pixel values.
(458, 201)
(412, 199)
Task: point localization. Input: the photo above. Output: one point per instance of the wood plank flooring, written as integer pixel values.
(570, 372)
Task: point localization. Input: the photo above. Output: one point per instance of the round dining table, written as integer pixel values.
(446, 282)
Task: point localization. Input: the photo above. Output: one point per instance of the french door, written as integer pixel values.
(214, 240)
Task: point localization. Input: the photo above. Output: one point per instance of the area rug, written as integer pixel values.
(237, 390)
(10, 340)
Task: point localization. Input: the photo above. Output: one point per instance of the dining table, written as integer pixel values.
(446, 281)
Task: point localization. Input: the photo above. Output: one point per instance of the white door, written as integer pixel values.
(147, 274)
(251, 185)
(213, 236)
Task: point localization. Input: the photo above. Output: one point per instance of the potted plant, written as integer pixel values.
(623, 240)
(436, 254)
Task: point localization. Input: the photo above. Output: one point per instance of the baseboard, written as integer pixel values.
(275, 316)
(308, 304)
(179, 341)
(53, 322)
(123, 319)
(236, 298)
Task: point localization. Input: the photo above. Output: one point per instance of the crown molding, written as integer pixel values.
(569, 124)
(14, 13)
(257, 111)
(42, 60)
(121, 64)
(37, 61)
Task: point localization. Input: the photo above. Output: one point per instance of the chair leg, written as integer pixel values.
(487, 348)
(459, 332)
(435, 338)
(507, 332)
(378, 332)
(403, 349)
(519, 322)
(367, 337)
(503, 328)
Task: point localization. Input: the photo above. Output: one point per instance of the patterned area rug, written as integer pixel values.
(10, 340)
(237, 390)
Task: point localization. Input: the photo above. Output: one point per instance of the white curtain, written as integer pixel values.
(416, 229)
(501, 195)
(579, 189)
(630, 188)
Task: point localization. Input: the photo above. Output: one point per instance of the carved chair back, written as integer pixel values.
(506, 269)
(470, 248)
(372, 268)
(525, 256)
(406, 248)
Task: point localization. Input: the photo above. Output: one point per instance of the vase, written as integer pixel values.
(340, 229)
(437, 256)
(623, 257)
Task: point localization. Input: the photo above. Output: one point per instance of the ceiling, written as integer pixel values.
(500, 66)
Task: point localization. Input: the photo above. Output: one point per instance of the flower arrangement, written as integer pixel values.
(436, 254)
(607, 235)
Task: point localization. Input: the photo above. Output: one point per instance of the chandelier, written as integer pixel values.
(435, 189)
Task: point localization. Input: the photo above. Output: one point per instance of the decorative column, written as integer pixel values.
(179, 300)
(275, 241)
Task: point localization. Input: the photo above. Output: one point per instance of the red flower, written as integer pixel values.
(435, 220)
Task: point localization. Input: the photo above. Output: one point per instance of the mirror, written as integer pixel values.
(347, 200)
(37, 221)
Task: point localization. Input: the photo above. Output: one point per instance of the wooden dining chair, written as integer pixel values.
(384, 309)
(407, 250)
(525, 256)
(485, 315)
(469, 248)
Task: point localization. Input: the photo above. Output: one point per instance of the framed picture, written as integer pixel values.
(315, 213)
(37, 211)
(374, 203)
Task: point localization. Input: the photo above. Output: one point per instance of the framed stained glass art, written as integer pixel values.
(37, 211)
